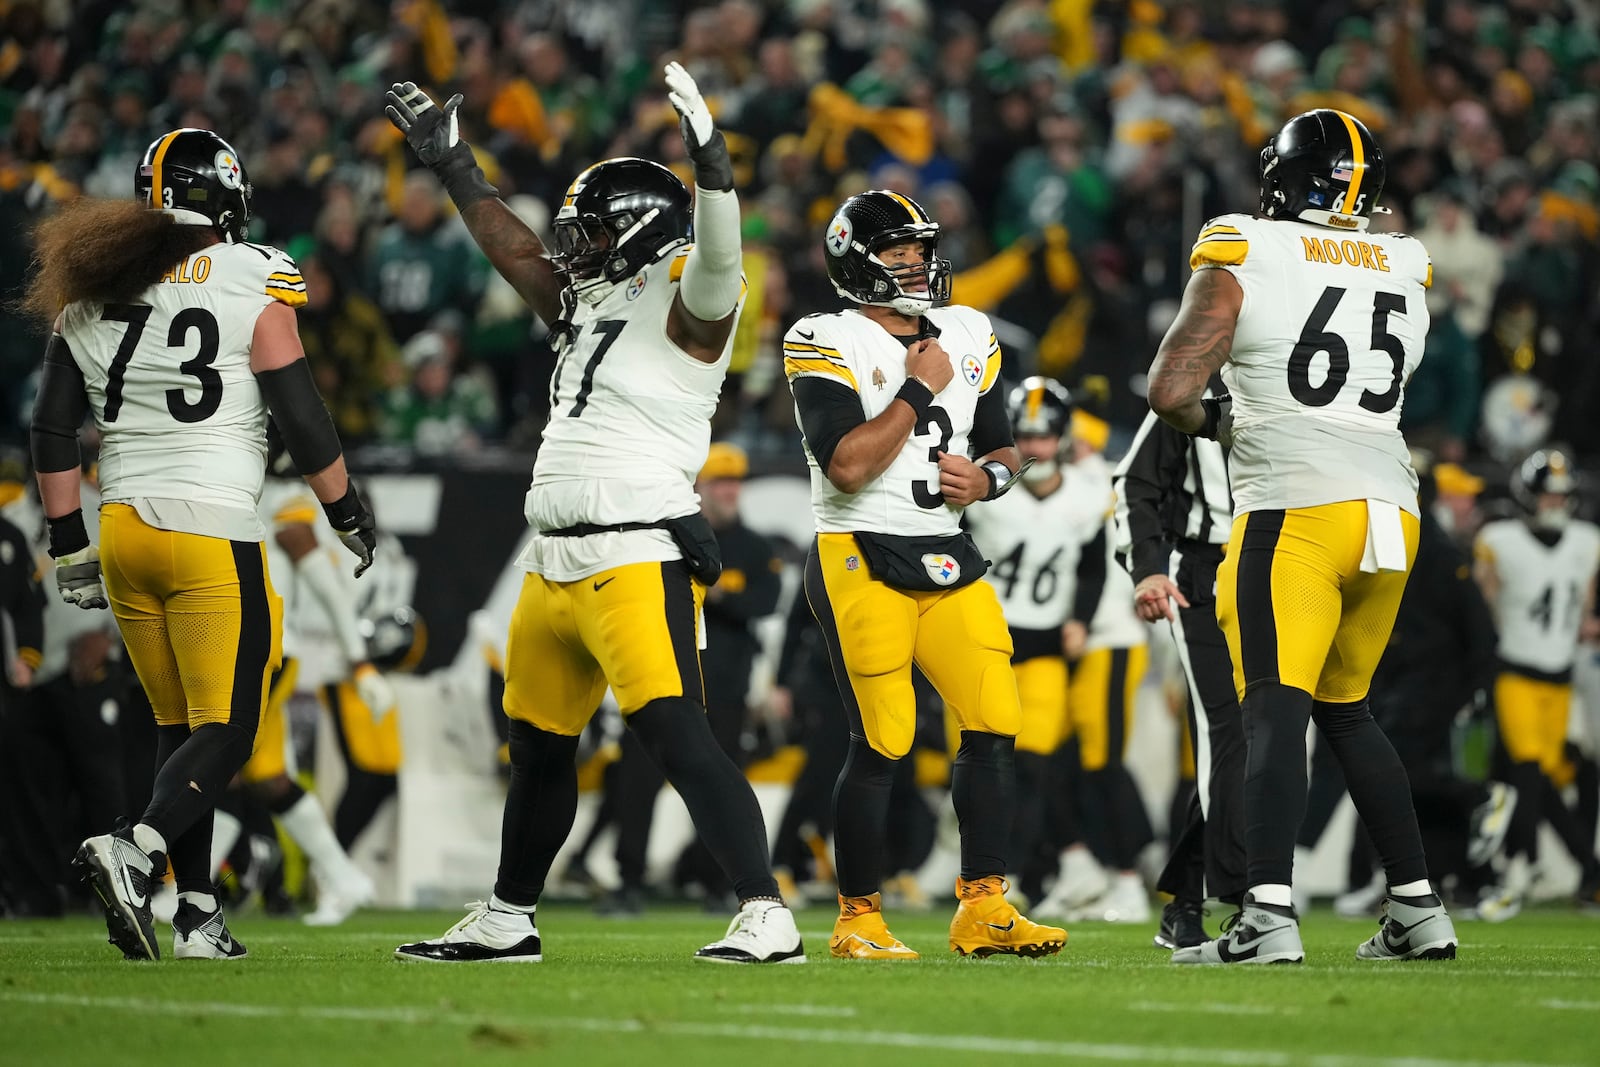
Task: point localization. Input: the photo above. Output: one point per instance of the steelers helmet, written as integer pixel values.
(1549, 470)
(864, 225)
(197, 178)
(396, 640)
(1323, 167)
(1040, 407)
(616, 217)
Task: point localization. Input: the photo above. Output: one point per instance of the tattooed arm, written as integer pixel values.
(517, 253)
(1196, 346)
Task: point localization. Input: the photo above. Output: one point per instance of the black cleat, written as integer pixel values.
(486, 935)
(1182, 925)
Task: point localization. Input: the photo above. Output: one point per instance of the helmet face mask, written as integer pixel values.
(867, 225)
(197, 178)
(1323, 167)
(617, 216)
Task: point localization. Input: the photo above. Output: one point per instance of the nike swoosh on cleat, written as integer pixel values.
(1227, 955)
(601, 585)
(1007, 928)
(1402, 944)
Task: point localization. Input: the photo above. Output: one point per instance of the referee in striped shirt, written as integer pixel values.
(1174, 511)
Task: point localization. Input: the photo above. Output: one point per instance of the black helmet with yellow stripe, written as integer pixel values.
(1545, 475)
(866, 224)
(197, 178)
(1040, 407)
(1323, 167)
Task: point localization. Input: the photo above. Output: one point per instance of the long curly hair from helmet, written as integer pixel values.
(107, 251)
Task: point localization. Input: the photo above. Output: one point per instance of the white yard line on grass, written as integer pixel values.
(974, 1043)
(1204, 1008)
(818, 1010)
(1571, 1005)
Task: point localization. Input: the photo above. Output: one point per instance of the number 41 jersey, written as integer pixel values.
(169, 382)
(1332, 325)
(1543, 588)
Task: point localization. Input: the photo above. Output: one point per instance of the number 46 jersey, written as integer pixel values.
(169, 382)
(1034, 545)
(1332, 325)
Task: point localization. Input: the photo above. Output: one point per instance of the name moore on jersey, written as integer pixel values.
(847, 347)
(168, 378)
(1330, 330)
(1543, 589)
(1034, 545)
(630, 425)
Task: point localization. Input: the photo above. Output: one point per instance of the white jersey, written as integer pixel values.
(1331, 328)
(630, 424)
(182, 422)
(848, 347)
(1115, 623)
(1034, 545)
(1539, 609)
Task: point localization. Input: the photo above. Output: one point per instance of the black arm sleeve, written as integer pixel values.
(301, 417)
(1149, 473)
(829, 409)
(21, 595)
(59, 410)
(1091, 578)
(991, 426)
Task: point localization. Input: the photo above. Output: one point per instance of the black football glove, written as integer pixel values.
(352, 520)
(435, 136)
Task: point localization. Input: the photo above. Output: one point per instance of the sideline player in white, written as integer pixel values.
(1048, 569)
(1538, 575)
(1315, 325)
(178, 336)
(893, 398)
(621, 558)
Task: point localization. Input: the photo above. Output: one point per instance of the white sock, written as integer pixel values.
(148, 840)
(1275, 893)
(307, 823)
(225, 831)
(1419, 888)
(496, 904)
(203, 901)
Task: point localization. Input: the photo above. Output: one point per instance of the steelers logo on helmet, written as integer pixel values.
(229, 174)
(839, 235)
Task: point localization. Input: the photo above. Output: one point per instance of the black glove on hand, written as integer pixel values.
(435, 136)
(352, 520)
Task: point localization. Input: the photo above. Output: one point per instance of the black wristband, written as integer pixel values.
(1216, 411)
(345, 513)
(463, 179)
(919, 396)
(713, 168)
(67, 534)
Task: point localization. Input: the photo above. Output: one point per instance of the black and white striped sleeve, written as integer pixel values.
(1153, 467)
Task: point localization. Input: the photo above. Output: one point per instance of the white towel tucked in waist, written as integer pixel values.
(1386, 539)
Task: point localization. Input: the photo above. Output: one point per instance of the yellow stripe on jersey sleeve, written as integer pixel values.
(991, 371)
(675, 272)
(1219, 229)
(1427, 277)
(818, 366)
(803, 348)
(1219, 249)
(295, 298)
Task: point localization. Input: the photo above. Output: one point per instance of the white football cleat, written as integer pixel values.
(1082, 880)
(203, 935)
(1362, 903)
(763, 931)
(1490, 821)
(1414, 929)
(486, 935)
(338, 901)
(1125, 902)
(1256, 933)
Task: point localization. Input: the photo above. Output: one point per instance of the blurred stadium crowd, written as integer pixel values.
(1070, 148)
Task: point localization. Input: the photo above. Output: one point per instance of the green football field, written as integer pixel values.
(627, 992)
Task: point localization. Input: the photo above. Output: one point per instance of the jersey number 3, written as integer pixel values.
(192, 319)
(935, 420)
(1316, 337)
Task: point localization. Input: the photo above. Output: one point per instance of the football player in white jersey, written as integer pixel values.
(1048, 568)
(1315, 324)
(177, 336)
(892, 398)
(1538, 574)
(620, 559)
